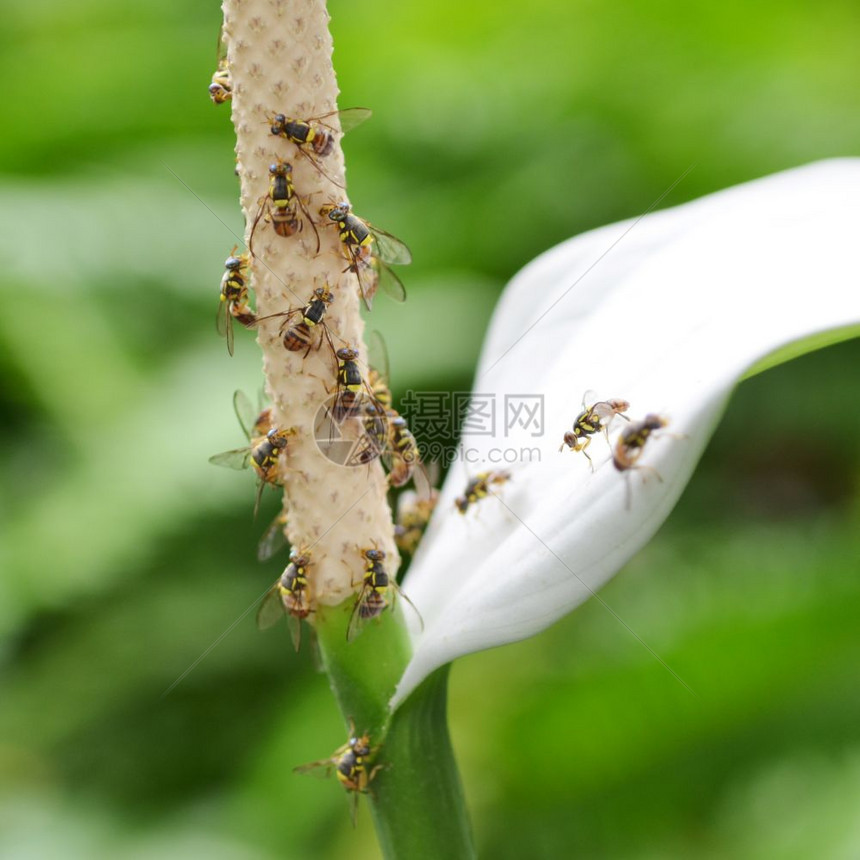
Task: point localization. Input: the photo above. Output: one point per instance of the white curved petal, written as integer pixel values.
(667, 312)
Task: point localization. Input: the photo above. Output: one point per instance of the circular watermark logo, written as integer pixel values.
(350, 429)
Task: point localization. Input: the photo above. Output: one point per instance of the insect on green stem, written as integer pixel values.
(416, 797)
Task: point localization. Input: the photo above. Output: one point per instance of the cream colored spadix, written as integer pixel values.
(668, 312)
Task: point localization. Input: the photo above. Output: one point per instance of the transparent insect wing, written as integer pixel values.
(322, 768)
(238, 458)
(273, 539)
(224, 325)
(304, 208)
(353, 807)
(295, 626)
(357, 622)
(316, 655)
(590, 396)
(368, 277)
(389, 248)
(351, 118)
(261, 211)
(434, 472)
(366, 449)
(271, 609)
(602, 410)
(314, 162)
(245, 412)
(261, 484)
(423, 482)
(606, 410)
(288, 318)
(395, 590)
(221, 49)
(377, 353)
(389, 280)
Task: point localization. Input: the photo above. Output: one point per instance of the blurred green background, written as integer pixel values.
(499, 130)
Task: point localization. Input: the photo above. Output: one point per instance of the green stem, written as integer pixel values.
(416, 797)
(419, 807)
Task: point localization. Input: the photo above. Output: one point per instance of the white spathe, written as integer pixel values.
(668, 312)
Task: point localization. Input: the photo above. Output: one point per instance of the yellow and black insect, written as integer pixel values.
(289, 596)
(373, 598)
(386, 432)
(234, 297)
(479, 488)
(387, 435)
(370, 252)
(314, 137)
(377, 593)
(378, 406)
(350, 385)
(352, 399)
(373, 405)
(593, 419)
(350, 762)
(263, 452)
(413, 515)
(403, 450)
(374, 441)
(379, 388)
(300, 336)
(281, 204)
(631, 443)
(221, 88)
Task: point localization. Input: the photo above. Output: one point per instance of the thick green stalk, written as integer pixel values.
(419, 807)
(416, 797)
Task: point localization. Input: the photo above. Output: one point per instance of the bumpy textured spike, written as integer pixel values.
(279, 54)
